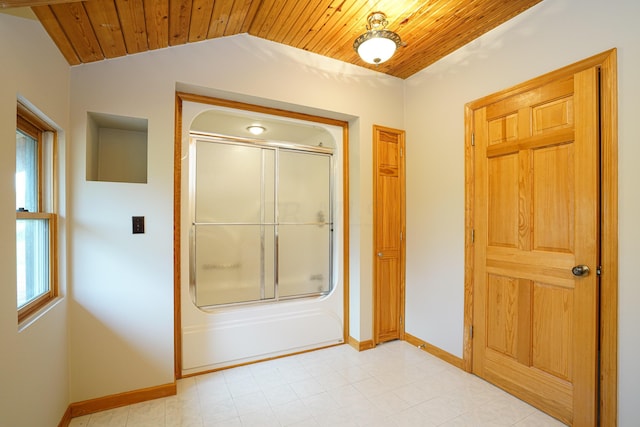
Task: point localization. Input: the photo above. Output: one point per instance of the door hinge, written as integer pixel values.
(471, 332)
(473, 139)
(401, 236)
(401, 152)
(599, 270)
(473, 235)
(400, 320)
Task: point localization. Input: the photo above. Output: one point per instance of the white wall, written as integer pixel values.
(547, 37)
(34, 386)
(122, 308)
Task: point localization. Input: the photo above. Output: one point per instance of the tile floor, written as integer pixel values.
(394, 384)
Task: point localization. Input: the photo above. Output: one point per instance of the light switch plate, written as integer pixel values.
(138, 224)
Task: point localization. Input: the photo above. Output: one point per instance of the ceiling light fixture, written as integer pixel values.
(378, 44)
(256, 129)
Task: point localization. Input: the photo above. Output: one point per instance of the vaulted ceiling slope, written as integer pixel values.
(94, 30)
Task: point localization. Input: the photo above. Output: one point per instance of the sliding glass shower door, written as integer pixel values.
(262, 222)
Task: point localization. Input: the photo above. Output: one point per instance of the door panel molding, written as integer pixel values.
(606, 64)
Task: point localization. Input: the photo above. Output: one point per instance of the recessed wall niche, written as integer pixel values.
(116, 148)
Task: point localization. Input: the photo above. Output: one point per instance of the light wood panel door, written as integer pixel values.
(536, 220)
(389, 220)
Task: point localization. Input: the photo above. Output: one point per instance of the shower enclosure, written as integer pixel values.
(262, 237)
(261, 221)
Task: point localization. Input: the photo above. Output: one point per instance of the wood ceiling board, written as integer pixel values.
(76, 24)
(220, 19)
(239, 12)
(261, 17)
(31, 3)
(294, 32)
(106, 25)
(273, 17)
(87, 31)
(156, 17)
(305, 29)
(252, 11)
(52, 26)
(343, 19)
(452, 32)
(294, 12)
(201, 11)
(179, 21)
(286, 14)
(325, 27)
(133, 24)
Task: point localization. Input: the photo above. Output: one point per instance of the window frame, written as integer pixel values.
(35, 127)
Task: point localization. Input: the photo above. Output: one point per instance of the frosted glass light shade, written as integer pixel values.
(376, 50)
(376, 46)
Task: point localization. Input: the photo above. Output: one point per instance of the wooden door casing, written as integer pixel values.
(606, 63)
(536, 216)
(389, 218)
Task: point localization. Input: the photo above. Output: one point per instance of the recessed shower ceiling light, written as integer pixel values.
(256, 129)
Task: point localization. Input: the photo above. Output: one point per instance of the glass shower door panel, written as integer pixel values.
(233, 264)
(304, 190)
(231, 183)
(304, 254)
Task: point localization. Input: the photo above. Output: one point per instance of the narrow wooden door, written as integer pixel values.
(536, 253)
(388, 213)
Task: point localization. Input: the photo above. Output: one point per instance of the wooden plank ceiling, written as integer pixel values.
(94, 30)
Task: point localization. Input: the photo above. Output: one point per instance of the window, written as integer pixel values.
(35, 213)
(262, 222)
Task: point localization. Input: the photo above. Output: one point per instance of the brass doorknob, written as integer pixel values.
(580, 270)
